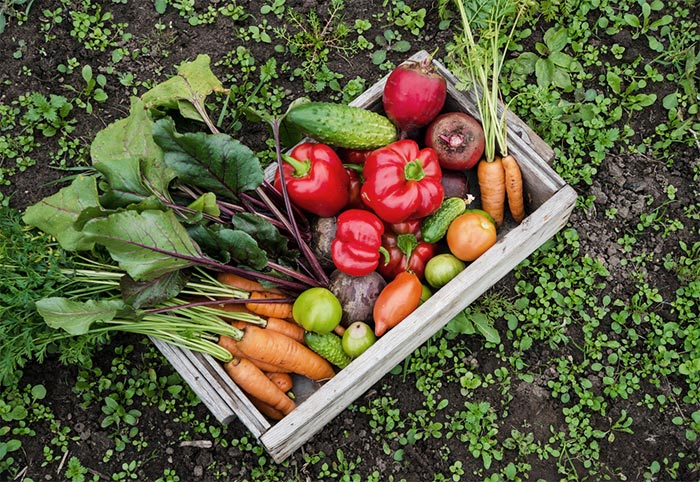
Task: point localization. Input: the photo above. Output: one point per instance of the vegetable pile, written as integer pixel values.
(295, 270)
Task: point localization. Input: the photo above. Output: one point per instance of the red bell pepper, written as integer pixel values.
(316, 179)
(354, 189)
(403, 242)
(355, 250)
(402, 181)
(353, 156)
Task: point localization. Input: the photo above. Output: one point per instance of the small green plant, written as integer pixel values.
(93, 27)
(552, 67)
(48, 115)
(477, 426)
(404, 16)
(275, 7)
(75, 472)
(314, 39)
(11, 8)
(388, 41)
(92, 91)
(643, 24)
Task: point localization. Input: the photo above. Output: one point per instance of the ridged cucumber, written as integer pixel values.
(343, 125)
(434, 227)
(329, 346)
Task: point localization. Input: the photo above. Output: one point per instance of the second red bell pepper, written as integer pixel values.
(402, 181)
(355, 250)
(316, 179)
(407, 251)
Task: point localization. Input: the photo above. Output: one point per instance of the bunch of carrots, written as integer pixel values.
(499, 176)
(269, 349)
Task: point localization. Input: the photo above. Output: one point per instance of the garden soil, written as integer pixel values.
(624, 181)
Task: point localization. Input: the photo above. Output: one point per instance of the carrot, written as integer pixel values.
(233, 308)
(282, 380)
(492, 185)
(281, 351)
(243, 284)
(266, 409)
(239, 282)
(273, 309)
(253, 381)
(514, 188)
(289, 328)
(232, 346)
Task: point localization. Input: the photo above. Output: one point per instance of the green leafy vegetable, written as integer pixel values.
(57, 214)
(187, 90)
(76, 317)
(146, 245)
(213, 162)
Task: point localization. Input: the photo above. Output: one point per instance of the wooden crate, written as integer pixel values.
(550, 202)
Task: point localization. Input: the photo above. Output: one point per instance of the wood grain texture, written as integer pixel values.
(207, 378)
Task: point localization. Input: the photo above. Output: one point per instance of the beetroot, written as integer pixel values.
(414, 94)
(455, 183)
(458, 139)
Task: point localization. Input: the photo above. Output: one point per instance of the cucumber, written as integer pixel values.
(343, 125)
(329, 346)
(434, 227)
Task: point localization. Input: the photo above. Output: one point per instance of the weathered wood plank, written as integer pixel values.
(213, 386)
(324, 405)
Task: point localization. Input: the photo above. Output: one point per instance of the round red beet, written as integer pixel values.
(414, 94)
(458, 139)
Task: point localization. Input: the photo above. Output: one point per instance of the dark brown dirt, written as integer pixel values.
(624, 181)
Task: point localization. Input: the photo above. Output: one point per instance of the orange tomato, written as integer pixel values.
(396, 301)
(470, 235)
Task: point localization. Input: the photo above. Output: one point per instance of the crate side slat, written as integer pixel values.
(233, 395)
(196, 379)
(207, 379)
(350, 383)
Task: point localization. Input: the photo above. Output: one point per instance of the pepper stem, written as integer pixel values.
(413, 171)
(301, 168)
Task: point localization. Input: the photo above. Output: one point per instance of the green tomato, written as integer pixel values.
(427, 293)
(318, 310)
(357, 338)
(440, 269)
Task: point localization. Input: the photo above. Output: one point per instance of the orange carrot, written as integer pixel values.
(264, 408)
(239, 282)
(514, 188)
(233, 308)
(281, 351)
(282, 380)
(492, 185)
(243, 284)
(232, 346)
(289, 328)
(275, 310)
(253, 381)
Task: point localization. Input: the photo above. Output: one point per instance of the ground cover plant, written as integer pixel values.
(583, 364)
